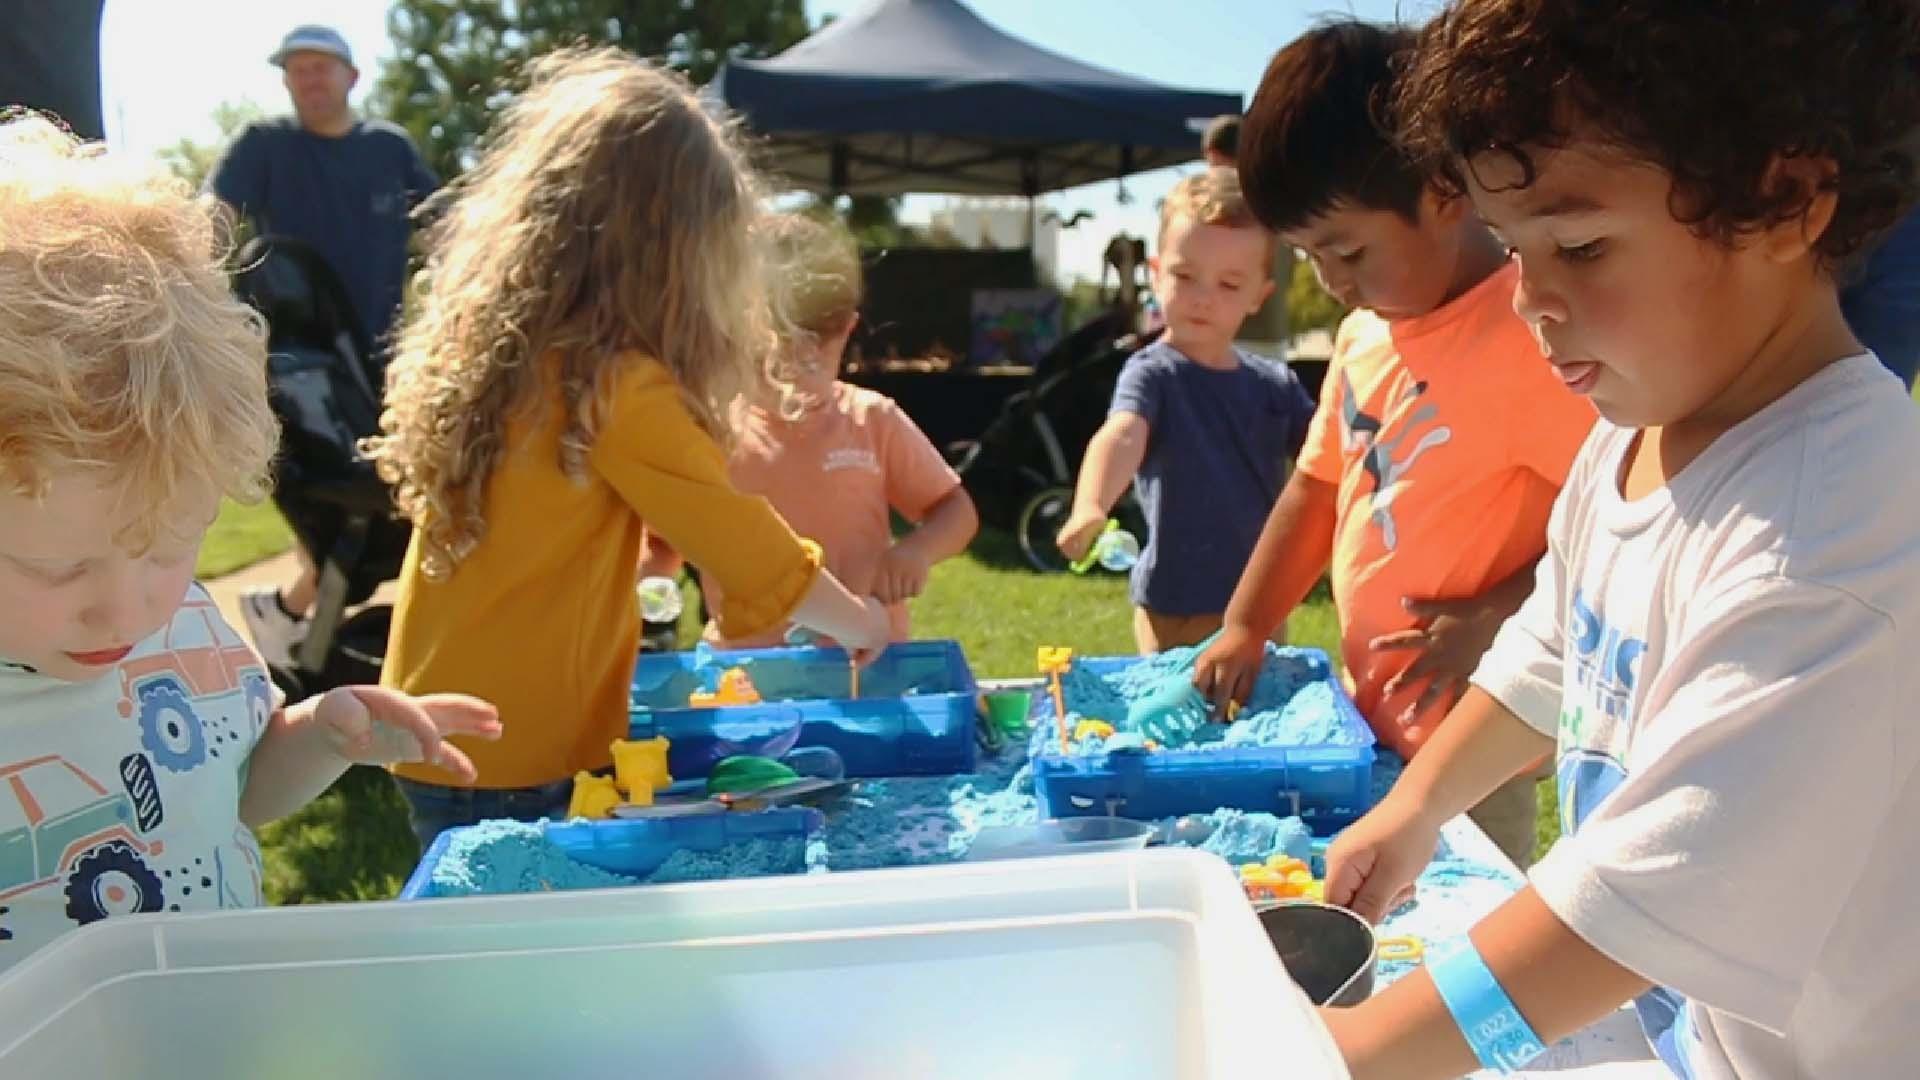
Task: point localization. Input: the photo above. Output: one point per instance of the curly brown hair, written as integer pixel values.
(610, 215)
(1714, 92)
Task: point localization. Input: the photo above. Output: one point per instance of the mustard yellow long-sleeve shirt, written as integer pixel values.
(540, 617)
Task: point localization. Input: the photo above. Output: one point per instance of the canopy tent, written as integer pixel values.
(925, 96)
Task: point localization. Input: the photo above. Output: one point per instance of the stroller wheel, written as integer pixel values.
(1039, 521)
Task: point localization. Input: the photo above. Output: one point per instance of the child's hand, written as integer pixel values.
(1078, 534)
(372, 725)
(1228, 668)
(902, 575)
(1452, 637)
(876, 631)
(1372, 865)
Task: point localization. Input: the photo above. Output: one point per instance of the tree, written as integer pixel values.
(192, 161)
(1309, 307)
(456, 62)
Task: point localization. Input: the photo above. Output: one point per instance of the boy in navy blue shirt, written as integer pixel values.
(1205, 429)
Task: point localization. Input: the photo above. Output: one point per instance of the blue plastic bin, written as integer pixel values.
(638, 848)
(1327, 786)
(916, 714)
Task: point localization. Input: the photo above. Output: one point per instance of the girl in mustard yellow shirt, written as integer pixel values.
(593, 299)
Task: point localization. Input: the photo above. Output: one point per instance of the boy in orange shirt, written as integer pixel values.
(837, 460)
(1442, 435)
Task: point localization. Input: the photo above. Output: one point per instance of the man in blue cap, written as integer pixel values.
(346, 187)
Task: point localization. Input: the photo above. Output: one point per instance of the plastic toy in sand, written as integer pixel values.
(1053, 662)
(640, 768)
(736, 688)
(593, 797)
(1174, 708)
(1281, 877)
(1092, 729)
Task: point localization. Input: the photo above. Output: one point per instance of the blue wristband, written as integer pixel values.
(1500, 1037)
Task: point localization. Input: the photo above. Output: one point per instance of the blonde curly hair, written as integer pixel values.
(123, 351)
(610, 215)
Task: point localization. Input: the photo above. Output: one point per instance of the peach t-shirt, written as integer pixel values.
(1448, 437)
(833, 475)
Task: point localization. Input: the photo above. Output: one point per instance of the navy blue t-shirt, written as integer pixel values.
(1218, 444)
(349, 197)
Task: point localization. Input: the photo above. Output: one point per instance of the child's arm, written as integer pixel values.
(1113, 457)
(674, 475)
(1293, 551)
(1555, 979)
(657, 557)
(308, 745)
(1481, 745)
(861, 626)
(945, 532)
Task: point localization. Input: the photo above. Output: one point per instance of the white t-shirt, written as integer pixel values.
(122, 794)
(1731, 666)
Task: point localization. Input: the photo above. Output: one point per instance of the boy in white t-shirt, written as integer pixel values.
(140, 740)
(1719, 639)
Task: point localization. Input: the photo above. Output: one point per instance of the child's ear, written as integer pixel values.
(1153, 264)
(1441, 209)
(1811, 177)
(1261, 295)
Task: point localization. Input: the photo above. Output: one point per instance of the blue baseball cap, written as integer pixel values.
(320, 39)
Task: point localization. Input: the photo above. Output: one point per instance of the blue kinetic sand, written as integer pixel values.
(1298, 749)
(916, 713)
(497, 857)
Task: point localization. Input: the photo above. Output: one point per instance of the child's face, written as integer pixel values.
(1209, 278)
(75, 601)
(1631, 306)
(1378, 260)
(818, 363)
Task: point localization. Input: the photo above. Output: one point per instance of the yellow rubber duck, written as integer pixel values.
(736, 688)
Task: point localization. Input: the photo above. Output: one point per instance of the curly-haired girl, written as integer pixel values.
(592, 301)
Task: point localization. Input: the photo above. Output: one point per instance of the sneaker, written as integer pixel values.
(275, 633)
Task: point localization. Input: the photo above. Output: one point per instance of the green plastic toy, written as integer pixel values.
(748, 775)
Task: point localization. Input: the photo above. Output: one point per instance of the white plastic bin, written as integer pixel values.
(1146, 964)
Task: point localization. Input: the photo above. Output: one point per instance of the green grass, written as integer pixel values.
(353, 843)
(241, 536)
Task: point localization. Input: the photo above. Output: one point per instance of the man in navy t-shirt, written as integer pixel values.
(347, 188)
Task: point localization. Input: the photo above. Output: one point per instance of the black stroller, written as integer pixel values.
(1020, 471)
(326, 393)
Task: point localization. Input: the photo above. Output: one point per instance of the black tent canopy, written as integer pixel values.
(925, 96)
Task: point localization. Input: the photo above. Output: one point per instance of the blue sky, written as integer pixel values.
(167, 66)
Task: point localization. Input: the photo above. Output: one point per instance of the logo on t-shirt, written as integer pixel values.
(1361, 432)
(1596, 715)
(1606, 661)
(850, 457)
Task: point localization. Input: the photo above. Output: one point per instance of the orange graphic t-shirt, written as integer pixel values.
(1447, 437)
(835, 474)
